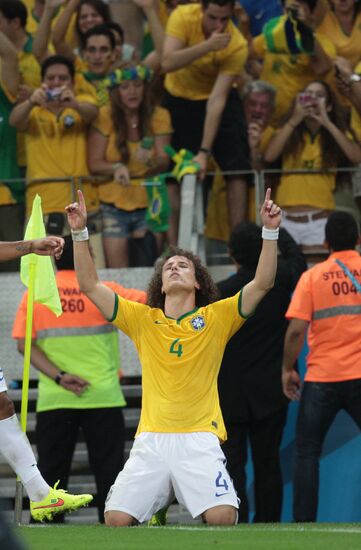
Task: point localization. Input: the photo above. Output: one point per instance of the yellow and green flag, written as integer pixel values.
(45, 288)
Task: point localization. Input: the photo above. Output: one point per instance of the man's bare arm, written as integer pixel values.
(102, 296)
(49, 246)
(10, 75)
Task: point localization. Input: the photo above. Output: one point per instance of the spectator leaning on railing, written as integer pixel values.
(126, 143)
(203, 54)
(315, 136)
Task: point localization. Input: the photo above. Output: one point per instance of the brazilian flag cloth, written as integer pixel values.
(287, 35)
(158, 210)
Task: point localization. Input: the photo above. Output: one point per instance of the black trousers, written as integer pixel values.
(319, 405)
(56, 436)
(265, 437)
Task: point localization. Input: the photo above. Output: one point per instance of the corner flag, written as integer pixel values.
(45, 288)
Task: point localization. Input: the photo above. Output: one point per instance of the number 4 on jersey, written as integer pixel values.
(176, 348)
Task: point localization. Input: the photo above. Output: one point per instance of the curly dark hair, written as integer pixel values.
(207, 293)
(332, 155)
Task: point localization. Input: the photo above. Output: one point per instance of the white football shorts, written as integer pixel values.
(190, 466)
(2, 381)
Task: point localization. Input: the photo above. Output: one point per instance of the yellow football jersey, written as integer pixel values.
(180, 361)
(314, 190)
(196, 80)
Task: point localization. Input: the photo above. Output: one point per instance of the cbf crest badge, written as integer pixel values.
(198, 323)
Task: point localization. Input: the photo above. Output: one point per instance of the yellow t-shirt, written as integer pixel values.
(195, 81)
(348, 46)
(314, 190)
(180, 363)
(128, 197)
(57, 147)
(289, 74)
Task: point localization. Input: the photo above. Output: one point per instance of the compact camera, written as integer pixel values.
(53, 94)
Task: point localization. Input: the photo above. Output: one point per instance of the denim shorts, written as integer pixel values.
(122, 223)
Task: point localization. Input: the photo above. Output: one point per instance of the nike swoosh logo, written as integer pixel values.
(160, 323)
(221, 494)
(59, 502)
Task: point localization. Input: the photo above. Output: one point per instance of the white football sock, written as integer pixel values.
(15, 447)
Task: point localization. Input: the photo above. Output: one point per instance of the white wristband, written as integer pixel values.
(81, 235)
(270, 234)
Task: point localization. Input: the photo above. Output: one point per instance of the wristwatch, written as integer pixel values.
(355, 78)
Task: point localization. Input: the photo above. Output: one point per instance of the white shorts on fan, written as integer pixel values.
(3, 386)
(190, 466)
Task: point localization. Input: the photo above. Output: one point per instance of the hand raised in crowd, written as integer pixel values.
(24, 92)
(76, 213)
(144, 4)
(302, 12)
(39, 97)
(73, 383)
(218, 41)
(319, 112)
(301, 109)
(343, 71)
(54, 4)
(121, 174)
(48, 246)
(270, 213)
(67, 97)
(254, 134)
(291, 384)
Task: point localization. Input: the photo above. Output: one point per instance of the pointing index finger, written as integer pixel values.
(268, 194)
(81, 200)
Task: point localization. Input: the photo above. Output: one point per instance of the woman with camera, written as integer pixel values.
(313, 137)
(126, 144)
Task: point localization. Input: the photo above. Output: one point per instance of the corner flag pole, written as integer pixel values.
(26, 376)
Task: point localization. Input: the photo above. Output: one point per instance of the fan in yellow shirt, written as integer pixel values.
(54, 122)
(180, 337)
(287, 71)
(203, 54)
(314, 137)
(126, 144)
(342, 25)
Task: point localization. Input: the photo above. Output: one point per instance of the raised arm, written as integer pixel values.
(10, 75)
(265, 274)
(42, 35)
(150, 10)
(60, 29)
(89, 283)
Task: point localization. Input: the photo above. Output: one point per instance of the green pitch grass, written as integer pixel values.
(196, 537)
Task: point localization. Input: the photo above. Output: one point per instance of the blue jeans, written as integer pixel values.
(319, 405)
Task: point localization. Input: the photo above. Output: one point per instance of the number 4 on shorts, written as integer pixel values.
(176, 348)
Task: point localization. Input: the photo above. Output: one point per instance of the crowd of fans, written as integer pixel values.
(92, 91)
